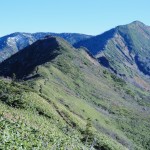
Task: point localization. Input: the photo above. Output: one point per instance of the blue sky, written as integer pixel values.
(80, 16)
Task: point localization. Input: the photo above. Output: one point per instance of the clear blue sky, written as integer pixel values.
(81, 16)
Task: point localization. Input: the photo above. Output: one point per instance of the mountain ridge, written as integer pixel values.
(53, 95)
(121, 49)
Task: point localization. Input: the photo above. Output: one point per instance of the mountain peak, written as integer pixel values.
(137, 23)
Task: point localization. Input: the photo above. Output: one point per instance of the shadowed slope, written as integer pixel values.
(26, 60)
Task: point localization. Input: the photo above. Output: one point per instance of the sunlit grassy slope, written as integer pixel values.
(65, 99)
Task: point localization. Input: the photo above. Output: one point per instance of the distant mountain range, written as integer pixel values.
(14, 42)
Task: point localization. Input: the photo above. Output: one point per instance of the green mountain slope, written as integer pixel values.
(125, 50)
(65, 99)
